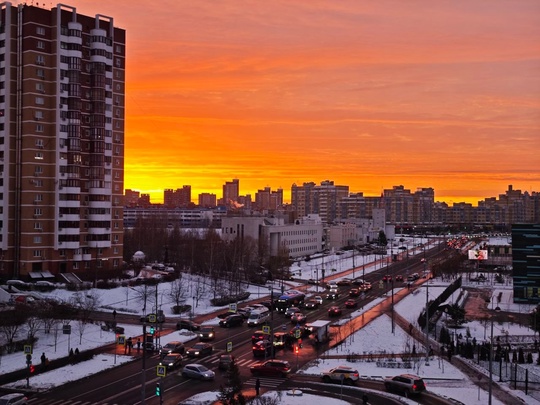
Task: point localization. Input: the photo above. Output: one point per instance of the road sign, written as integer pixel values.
(66, 329)
(297, 333)
(229, 347)
(28, 350)
(152, 318)
(122, 340)
(266, 329)
(161, 371)
(232, 307)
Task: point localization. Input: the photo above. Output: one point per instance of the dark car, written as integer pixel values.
(298, 318)
(200, 349)
(171, 361)
(408, 384)
(344, 281)
(351, 303)
(387, 278)
(262, 348)
(399, 277)
(332, 295)
(278, 368)
(290, 311)
(258, 335)
(354, 292)
(311, 304)
(232, 320)
(173, 347)
(188, 325)
(225, 361)
(207, 333)
(334, 311)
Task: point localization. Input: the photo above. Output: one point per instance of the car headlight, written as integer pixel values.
(196, 353)
(210, 335)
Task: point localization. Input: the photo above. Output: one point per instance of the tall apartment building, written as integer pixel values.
(179, 198)
(266, 199)
(323, 199)
(207, 200)
(62, 90)
(231, 192)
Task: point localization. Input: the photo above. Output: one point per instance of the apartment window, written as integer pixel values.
(75, 265)
(38, 183)
(40, 60)
(40, 88)
(39, 143)
(38, 115)
(40, 73)
(40, 30)
(39, 197)
(37, 240)
(38, 170)
(40, 100)
(115, 250)
(40, 45)
(37, 226)
(39, 128)
(62, 252)
(38, 156)
(116, 238)
(37, 253)
(38, 212)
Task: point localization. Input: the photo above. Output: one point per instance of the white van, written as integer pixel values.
(258, 317)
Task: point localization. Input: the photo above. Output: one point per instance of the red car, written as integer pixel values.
(271, 367)
(334, 311)
(354, 292)
(351, 304)
(387, 278)
(399, 278)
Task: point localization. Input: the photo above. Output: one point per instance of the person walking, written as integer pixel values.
(257, 386)
(138, 345)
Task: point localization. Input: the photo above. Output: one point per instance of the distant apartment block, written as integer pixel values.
(207, 200)
(179, 198)
(62, 141)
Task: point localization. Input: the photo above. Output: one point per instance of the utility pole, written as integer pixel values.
(143, 371)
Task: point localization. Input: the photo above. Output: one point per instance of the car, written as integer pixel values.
(344, 281)
(279, 339)
(332, 286)
(413, 277)
(188, 325)
(350, 303)
(172, 348)
(171, 361)
(358, 281)
(399, 277)
(200, 349)
(407, 384)
(207, 333)
(305, 331)
(313, 281)
(225, 361)
(290, 311)
(311, 304)
(345, 374)
(232, 320)
(366, 286)
(387, 278)
(262, 348)
(298, 317)
(258, 335)
(319, 299)
(268, 304)
(44, 285)
(243, 312)
(334, 311)
(198, 371)
(13, 399)
(279, 368)
(354, 292)
(332, 295)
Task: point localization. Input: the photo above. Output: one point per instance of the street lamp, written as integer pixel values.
(272, 321)
(427, 315)
(490, 391)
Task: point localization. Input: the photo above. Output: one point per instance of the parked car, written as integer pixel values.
(262, 348)
(354, 292)
(171, 361)
(207, 333)
(351, 303)
(348, 375)
(197, 371)
(13, 399)
(408, 384)
(188, 325)
(258, 335)
(278, 368)
(290, 311)
(225, 361)
(298, 317)
(334, 311)
(200, 349)
(173, 347)
(232, 320)
(311, 304)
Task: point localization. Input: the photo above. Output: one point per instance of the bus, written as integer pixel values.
(292, 298)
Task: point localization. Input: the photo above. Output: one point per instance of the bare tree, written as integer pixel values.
(12, 322)
(33, 324)
(85, 305)
(178, 291)
(145, 296)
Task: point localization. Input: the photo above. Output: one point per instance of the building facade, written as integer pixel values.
(62, 149)
(526, 262)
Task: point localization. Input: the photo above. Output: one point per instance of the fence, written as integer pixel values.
(518, 376)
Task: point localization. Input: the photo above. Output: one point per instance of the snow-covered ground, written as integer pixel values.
(376, 337)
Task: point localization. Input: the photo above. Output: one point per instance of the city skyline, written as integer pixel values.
(367, 94)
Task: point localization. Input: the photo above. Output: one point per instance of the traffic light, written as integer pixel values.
(152, 330)
(32, 368)
(158, 390)
(296, 349)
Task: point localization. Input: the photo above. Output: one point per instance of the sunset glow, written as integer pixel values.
(369, 94)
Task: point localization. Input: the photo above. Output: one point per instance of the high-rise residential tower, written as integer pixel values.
(62, 77)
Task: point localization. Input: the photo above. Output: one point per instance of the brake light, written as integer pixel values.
(356, 374)
(414, 386)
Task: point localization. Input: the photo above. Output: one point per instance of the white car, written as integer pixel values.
(197, 371)
(13, 399)
(319, 299)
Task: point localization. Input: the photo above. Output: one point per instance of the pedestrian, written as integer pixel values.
(71, 355)
(257, 386)
(129, 345)
(365, 398)
(43, 361)
(138, 345)
(414, 349)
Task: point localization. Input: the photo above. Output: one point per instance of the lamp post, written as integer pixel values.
(272, 321)
(490, 391)
(427, 315)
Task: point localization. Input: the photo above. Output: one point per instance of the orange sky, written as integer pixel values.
(370, 94)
